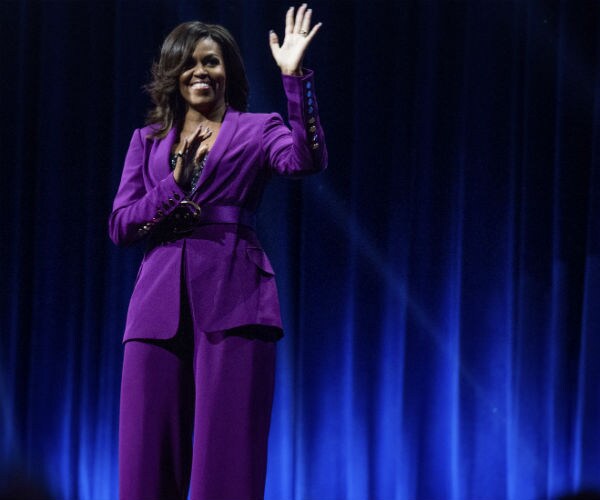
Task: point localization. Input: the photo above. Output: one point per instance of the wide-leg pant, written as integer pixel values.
(196, 410)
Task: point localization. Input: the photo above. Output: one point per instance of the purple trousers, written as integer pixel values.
(195, 413)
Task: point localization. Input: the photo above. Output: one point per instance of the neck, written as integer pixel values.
(194, 117)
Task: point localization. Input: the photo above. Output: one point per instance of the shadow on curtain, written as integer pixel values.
(440, 282)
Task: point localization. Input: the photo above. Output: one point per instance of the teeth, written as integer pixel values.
(200, 85)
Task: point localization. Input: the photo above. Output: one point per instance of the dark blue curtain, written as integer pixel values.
(440, 282)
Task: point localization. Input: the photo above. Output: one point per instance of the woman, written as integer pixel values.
(198, 368)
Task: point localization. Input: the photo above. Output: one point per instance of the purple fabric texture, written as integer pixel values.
(197, 385)
(227, 410)
(230, 280)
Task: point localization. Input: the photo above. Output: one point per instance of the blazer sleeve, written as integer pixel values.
(300, 151)
(136, 209)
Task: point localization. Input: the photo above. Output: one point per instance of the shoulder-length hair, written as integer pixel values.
(169, 107)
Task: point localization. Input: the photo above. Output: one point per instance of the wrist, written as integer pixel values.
(179, 177)
(292, 71)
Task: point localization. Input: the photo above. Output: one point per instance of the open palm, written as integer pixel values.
(298, 35)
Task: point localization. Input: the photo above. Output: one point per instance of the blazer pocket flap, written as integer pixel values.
(259, 257)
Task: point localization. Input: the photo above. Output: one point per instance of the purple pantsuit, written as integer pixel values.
(204, 314)
(228, 415)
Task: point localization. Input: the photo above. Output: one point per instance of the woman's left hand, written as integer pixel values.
(298, 36)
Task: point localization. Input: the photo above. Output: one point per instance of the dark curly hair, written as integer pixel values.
(169, 107)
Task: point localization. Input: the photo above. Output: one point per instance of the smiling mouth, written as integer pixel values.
(200, 86)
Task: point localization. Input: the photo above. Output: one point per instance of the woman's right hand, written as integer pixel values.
(190, 154)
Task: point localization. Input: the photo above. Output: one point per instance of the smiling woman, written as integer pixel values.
(179, 56)
(198, 369)
(203, 84)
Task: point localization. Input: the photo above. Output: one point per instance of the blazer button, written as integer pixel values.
(315, 145)
(312, 128)
(311, 119)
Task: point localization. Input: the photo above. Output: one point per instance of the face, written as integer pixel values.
(202, 83)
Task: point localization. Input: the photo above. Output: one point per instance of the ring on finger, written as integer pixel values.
(303, 33)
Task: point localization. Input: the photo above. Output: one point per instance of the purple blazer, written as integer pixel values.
(229, 279)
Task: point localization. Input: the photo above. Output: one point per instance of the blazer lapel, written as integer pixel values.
(161, 149)
(160, 156)
(228, 128)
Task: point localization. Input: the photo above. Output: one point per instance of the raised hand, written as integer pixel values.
(190, 155)
(298, 36)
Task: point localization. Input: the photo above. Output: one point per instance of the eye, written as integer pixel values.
(212, 61)
(189, 63)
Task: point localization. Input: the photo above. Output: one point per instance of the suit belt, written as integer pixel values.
(186, 220)
(226, 214)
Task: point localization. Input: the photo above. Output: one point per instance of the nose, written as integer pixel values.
(200, 70)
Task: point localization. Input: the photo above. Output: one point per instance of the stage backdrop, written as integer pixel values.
(440, 282)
